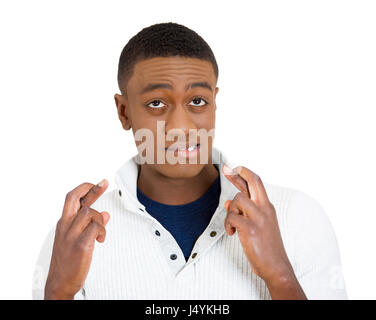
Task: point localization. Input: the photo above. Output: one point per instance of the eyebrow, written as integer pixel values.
(154, 86)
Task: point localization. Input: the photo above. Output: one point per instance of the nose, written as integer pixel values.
(180, 118)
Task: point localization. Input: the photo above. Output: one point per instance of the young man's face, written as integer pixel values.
(176, 104)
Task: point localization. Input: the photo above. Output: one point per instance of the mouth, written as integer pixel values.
(190, 151)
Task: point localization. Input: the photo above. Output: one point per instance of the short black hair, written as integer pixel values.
(162, 40)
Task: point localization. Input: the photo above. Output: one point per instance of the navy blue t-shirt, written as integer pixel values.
(185, 222)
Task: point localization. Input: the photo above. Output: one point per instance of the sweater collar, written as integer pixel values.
(126, 180)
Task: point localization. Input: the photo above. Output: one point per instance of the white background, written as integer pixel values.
(297, 84)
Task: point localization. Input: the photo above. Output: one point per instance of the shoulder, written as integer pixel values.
(304, 223)
(310, 242)
(296, 206)
(305, 226)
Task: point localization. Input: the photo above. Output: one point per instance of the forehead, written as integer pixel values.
(170, 70)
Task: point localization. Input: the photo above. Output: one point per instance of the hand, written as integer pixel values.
(75, 235)
(254, 218)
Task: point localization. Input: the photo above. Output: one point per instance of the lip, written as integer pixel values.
(185, 153)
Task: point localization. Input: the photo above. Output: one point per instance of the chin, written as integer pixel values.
(180, 170)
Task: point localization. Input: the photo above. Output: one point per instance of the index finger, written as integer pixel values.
(94, 193)
(77, 196)
(255, 186)
(236, 180)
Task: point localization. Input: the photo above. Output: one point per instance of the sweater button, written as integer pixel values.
(173, 256)
(213, 234)
(194, 255)
(120, 193)
(157, 233)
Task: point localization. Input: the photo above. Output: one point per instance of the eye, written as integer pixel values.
(198, 100)
(154, 104)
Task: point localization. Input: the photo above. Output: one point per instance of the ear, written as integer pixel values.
(122, 107)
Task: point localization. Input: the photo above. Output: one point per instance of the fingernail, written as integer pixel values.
(227, 170)
(101, 184)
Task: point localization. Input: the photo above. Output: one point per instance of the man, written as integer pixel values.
(178, 230)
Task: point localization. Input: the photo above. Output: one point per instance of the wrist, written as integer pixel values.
(52, 292)
(57, 296)
(280, 274)
(285, 286)
(282, 280)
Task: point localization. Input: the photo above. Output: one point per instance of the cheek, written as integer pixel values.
(206, 120)
(144, 133)
(141, 120)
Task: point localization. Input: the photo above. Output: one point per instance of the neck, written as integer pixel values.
(175, 191)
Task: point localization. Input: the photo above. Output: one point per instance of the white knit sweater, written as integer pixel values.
(134, 262)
